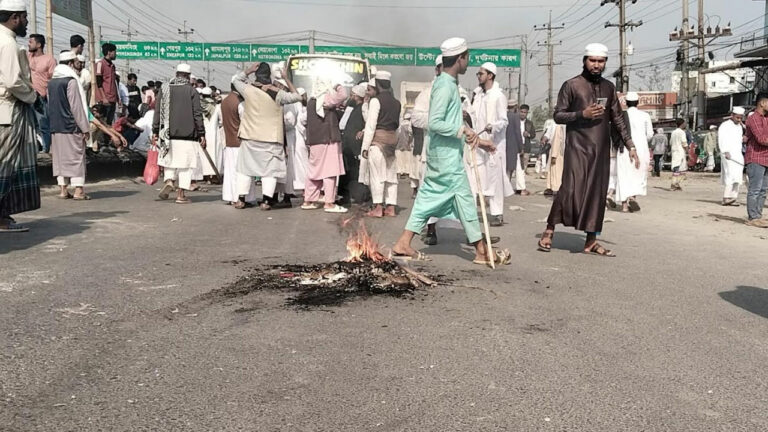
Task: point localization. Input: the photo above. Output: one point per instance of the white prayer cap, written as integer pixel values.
(301, 91)
(453, 47)
(117, 73)
(360, 90)
(439, 60)
(738, 110)
(81, 58)
(184, 68)
(67, 56)
(713, 127)
(281, 82)
(199, 90)
(206, 91)
(13, 5)
(596, 50)
(632, 97)
(383, 75)
(490, 67)
(372, 83)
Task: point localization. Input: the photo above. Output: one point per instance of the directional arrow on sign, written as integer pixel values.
(255, 51)
(162, 51)
(207, 52)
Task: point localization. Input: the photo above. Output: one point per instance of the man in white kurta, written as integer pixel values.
(730, 138)
(489, 118)
(631, 181)
(678, 143)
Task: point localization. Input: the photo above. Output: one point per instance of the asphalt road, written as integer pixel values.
(105, 325)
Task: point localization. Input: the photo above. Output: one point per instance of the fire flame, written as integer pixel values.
(362, 247)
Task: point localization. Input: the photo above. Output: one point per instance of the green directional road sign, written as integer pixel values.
(137, 50)
(185, 51)
(375, 55)
(275, 53)
(426, 56)
(500, 57)
(227, 52)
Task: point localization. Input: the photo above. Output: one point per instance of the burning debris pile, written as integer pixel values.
(366, 272)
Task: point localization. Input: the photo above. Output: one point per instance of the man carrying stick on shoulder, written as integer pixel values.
(445, 192)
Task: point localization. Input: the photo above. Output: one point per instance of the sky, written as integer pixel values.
(484, 23)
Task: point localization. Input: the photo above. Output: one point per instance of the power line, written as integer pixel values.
(375, 6)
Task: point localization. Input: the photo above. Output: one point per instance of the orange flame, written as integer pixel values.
(362, 247)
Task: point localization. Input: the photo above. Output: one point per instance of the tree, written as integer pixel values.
(540, 115)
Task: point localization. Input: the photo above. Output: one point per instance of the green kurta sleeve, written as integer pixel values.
(439, 118)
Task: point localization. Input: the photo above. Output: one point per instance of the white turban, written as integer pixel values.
(738, 110)
(453, 47)
(13, 5)
(490, 67)
(360, 90)
(596, 50)
(67, 56)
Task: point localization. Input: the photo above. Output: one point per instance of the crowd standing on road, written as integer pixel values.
(338, 146)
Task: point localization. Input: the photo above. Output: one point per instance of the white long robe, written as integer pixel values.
(301, 151)
(677, 143)
(729, 139)
(213, 144)
(490, 108)
(631, 181)
(291, 119)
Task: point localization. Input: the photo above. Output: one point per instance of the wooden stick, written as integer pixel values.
(208, 156)
(489, 250)
(423, 279)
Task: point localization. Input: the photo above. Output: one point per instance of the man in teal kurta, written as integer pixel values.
(445, 192)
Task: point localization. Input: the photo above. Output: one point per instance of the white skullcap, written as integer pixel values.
(301, 91)
(206, 91)
(117, 73)
(632, 97)
(713, 127)
(67, 56)
(281, 82)
(372, 83)
(13, 5)
(199, 90)
(81, 58)
(184, 68)
(383, 75)
(453, 47)
(738, 110)
(596, 50)
(439, 60)
(360, 90)
(490, 67)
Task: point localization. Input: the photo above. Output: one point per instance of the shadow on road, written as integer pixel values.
(737, 220)
(102, 194)
(43, 230)
(749, 298)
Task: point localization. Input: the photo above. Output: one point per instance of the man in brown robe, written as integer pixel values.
(587, 104)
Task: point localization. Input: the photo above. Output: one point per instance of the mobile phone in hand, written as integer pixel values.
(602, 101)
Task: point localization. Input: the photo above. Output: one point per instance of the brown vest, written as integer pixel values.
(322, 130)
(230, 119)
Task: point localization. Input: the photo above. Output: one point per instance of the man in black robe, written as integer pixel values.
(588, 105)
(352, 141)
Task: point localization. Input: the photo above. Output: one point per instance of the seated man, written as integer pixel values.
(126, 126)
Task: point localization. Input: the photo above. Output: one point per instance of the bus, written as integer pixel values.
(304, 69)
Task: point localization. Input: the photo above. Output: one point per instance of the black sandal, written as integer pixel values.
(599, 250)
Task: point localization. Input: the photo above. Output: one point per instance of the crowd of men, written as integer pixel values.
(335, 146)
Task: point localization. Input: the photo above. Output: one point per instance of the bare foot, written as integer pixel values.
(377, 212)
(390, 211)
(404, 250)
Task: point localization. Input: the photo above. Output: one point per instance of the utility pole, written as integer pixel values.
(208, 71)
(129, 34)
(49, 25)
(311, 41)
(623, 74)
(186, 32)
(685, 35)
(551, 57)
(33, 15)
(523, 56)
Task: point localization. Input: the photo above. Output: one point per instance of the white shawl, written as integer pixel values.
(64, 71)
